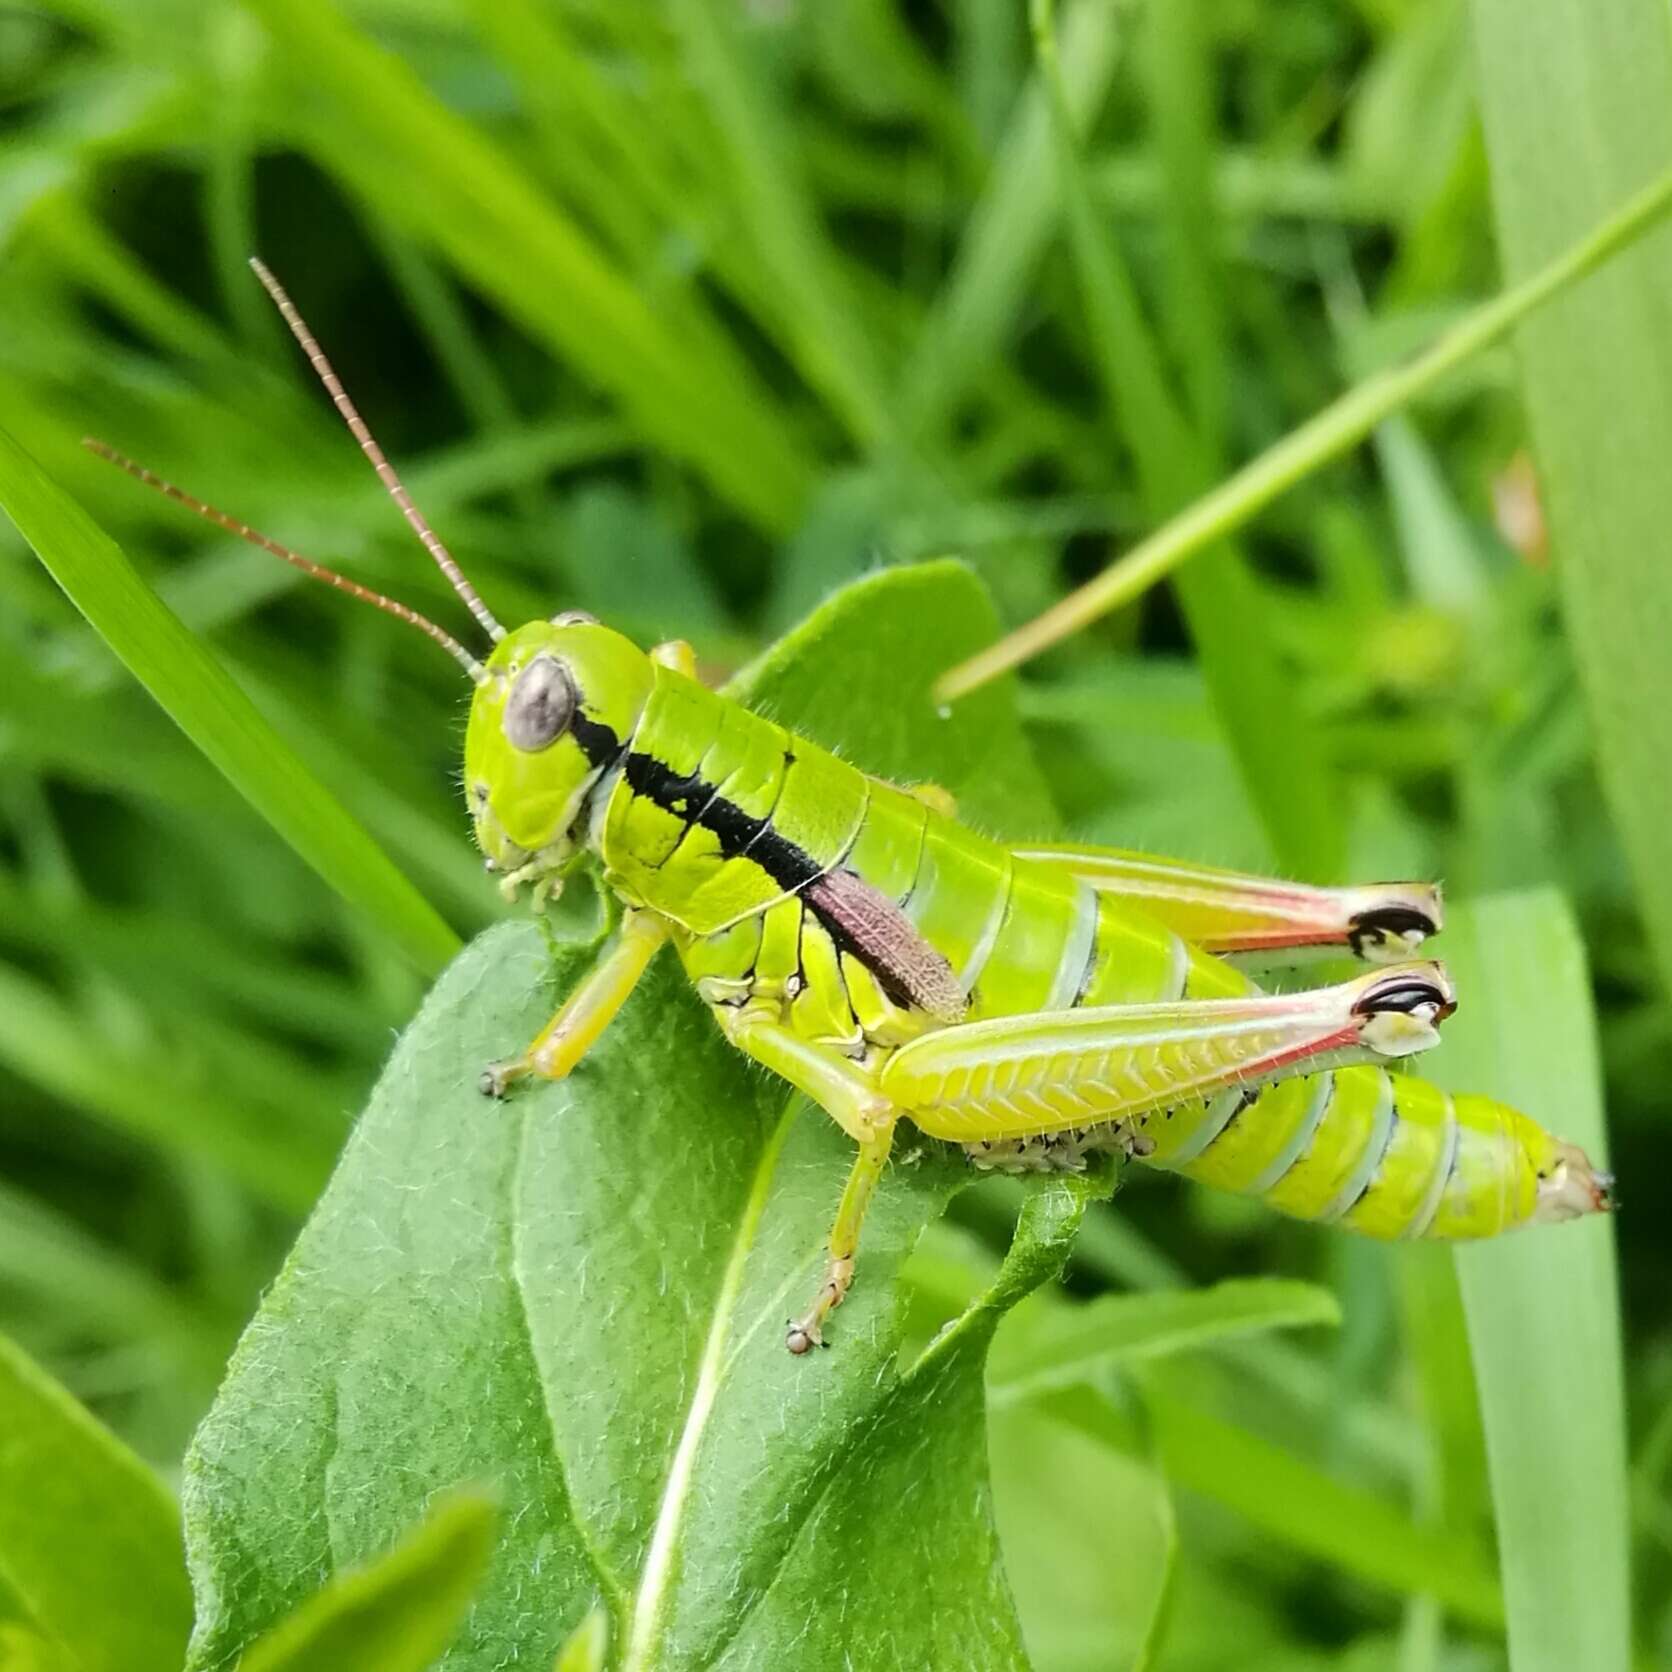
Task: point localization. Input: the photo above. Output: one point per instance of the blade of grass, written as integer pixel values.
(1281, 761)
(1451, 1478)
(89, 1537)
(1542, 1306)
(51, 1257)
(57, 1047)
(1334, 431)
(196, 692)
(1072, 1344)
(1576, 96)
(591, 141)
(1007, 232)
(1180, 79)
(817, 321)
(1346, 1526)
(367, 116)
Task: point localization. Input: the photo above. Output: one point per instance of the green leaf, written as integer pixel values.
(89, 1537)
(1543, 1305)
(585, 1650)
(578, 1298)
(198, 695)
(1072, 1344)
(399, 1613)
(1088, 1539)
(1597, 371)
(22, 1650)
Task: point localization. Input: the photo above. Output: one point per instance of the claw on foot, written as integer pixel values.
(803, 1334)
(802, 1337)
(496, 1078)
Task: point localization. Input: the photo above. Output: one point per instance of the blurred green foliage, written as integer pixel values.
(686, 313)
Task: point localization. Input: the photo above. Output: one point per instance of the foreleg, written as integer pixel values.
(587, 1011)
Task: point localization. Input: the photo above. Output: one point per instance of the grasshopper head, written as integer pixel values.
(556, 707)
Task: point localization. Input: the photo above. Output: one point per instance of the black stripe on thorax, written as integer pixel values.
(690, 797)
(598, 742)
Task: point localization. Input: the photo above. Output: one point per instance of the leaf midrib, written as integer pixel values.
(655, 1581)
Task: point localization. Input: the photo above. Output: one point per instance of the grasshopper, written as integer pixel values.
(1031, 1003)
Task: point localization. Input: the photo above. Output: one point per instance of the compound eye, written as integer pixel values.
(540, 707)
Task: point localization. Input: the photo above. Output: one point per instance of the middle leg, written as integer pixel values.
(806, 1331)
(848, 1094)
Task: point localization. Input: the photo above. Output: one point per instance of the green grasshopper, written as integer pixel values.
(1033, 1003)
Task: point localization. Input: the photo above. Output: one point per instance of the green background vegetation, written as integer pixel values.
(690, 314)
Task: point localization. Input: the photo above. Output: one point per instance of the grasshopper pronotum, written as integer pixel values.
(1030, 1003)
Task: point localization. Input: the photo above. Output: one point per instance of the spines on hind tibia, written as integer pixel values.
(1385, 1154)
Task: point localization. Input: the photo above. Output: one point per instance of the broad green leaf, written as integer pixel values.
(89, 1537)
(1577, 101)
(399, 1613)
(1072, 1344)
(578, 1298)
(198, 695)
(1543, 1304)
(915, 1589)
(22, 1650)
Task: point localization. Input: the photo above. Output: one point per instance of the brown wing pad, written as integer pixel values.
(888, 943)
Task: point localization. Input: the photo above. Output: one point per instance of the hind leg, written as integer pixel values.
(1229, 913)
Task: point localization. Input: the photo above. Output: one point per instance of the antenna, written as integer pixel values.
(318, 571)
(368, 446)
